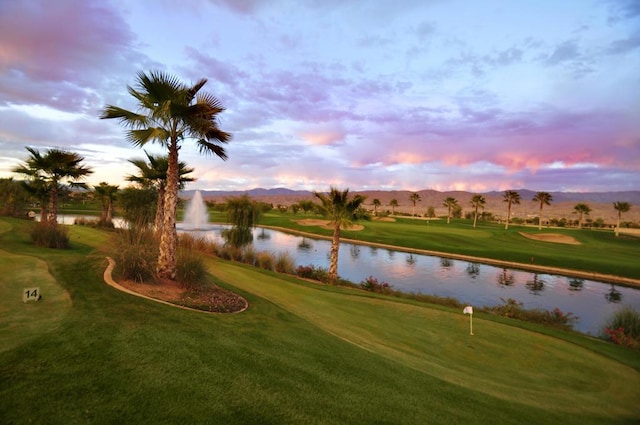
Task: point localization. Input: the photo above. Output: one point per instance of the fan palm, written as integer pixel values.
(49, 171)
(341, 211)
(414, 197)
(154, 175)
(171, 111)
(107, 194)
(582, 210)
(510, 197)
(393, 204)
(620, 207)
(544, 198)
(450, 203)
(477, 202)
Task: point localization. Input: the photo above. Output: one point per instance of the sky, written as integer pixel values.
(473, 95)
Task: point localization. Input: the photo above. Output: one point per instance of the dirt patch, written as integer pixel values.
(551, 237)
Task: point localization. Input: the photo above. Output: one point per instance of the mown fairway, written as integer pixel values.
(302, 353)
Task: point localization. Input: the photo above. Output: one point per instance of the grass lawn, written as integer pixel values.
(302, 353)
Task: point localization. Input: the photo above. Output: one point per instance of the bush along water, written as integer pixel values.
(624, 328)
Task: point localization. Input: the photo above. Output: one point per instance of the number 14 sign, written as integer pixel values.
(31, 294)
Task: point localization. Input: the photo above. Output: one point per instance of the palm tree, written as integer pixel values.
(620, 207)
(477, 202)
(414, 197)
(393, 204)
(582, 209)
(154, 174)
(341, 212)
(544, 198)
(107, 194)
(450, 203)
(51, 170)
(171, 111)
(510, 197)
(376, 204)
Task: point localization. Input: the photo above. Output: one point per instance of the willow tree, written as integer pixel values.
(477, 202)
(544, 198)
(171, 112)
(341, 212)
(51, 170)
(243, 214)
(510, 197)
(620, 207)
(450, 203)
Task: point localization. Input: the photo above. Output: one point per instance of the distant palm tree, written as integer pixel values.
(107, 194)
(414, 197)
(477, 202)
(544, 198)
(582, 210)
(376, 204)
(52, 169)
(620, 207)
(450, 203)
(510, 197)
(341, 211)
(170, 112)
(153, 174)
(393, 204)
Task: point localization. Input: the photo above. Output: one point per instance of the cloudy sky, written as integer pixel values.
(473, 95)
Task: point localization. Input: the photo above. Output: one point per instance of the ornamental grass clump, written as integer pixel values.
(285, 263)
(191, 271)
(50, 235)
(135, 251)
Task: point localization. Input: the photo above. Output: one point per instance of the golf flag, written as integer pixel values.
(469, 310)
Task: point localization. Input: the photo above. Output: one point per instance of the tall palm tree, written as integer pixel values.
(52, 169)
(510, 197)
(582, 209)
(341, 212)
(477, 202)
(107, 194)
(450, 203)
(544, 198)
(620, 207)
(376, 204)
(153, 174)
(393, 204)
(414, 197)
(171, 111)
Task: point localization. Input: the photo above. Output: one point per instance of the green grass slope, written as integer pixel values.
(301, 354)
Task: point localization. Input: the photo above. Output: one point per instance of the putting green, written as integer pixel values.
(22, 322)
(506, 362)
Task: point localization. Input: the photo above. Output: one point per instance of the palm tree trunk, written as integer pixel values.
(618, 224)
(168, 236)
(53, 211)
(506, 226)
(159, 219)
(109, 217)
(475, 217)
(540, 219)
(335, 247)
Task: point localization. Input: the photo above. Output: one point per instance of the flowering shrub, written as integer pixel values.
(313, 272)
(371, 284)
(515, 310)
(619, 337)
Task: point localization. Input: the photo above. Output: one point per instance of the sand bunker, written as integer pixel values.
(551, 237)
(325, 224)
(389, 219)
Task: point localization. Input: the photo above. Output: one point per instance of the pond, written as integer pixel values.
(473, 283)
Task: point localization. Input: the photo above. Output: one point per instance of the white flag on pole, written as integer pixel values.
(468, 310)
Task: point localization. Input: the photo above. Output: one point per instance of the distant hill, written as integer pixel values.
(562, 205)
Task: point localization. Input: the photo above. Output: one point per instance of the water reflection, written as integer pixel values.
(505, 278)
(411, 259)
(355, 251)
(445, 263)
(576, 284)
(473, 270)
(613, 296)
(535, 285)
(304, 245)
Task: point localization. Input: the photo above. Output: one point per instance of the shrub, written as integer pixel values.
(285, 263)
(313, 272)
(50, 235)
(191, 272)
(266, 260)
(250, 256)
(515, 310)
(135, 251)
(371, 284)
(624, 328)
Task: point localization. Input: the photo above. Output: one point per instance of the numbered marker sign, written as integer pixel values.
(30, 294)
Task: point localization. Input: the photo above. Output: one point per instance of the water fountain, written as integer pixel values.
(196, 216)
